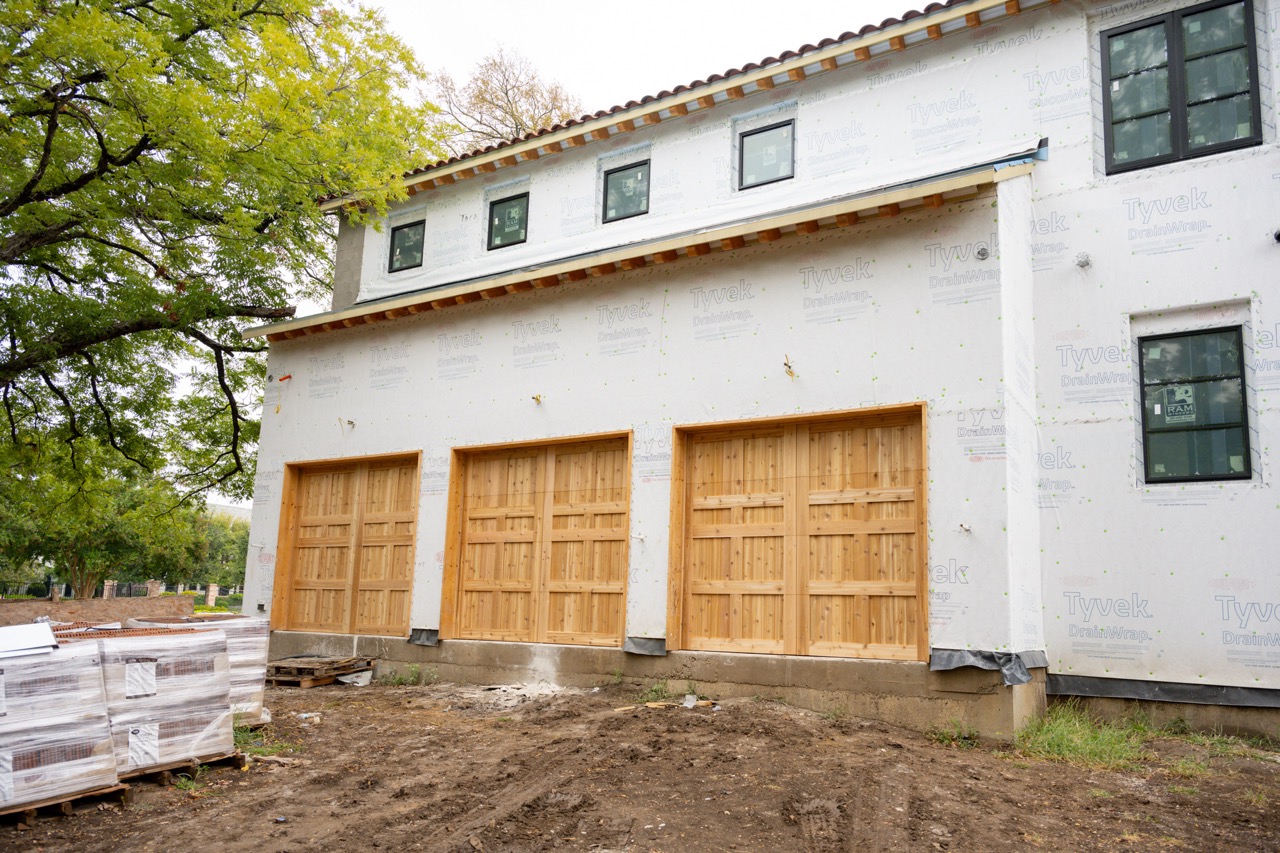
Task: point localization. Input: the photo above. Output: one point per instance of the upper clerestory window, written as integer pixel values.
(626, 191)
(766, 155)
(406, 246)
(1181, 85)
(509, 221)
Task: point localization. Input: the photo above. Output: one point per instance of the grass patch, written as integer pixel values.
(190, 783)
(955, 734)
(260, 741)
(656, 692)
(1254, 798)
(411, 676)
(1188, 768)
(1186, 790)
(1100, 793)
(1067, 733)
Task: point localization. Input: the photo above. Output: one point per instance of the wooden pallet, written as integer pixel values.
(64, 804)
(164, 773)
(313, 672)
(311, 681)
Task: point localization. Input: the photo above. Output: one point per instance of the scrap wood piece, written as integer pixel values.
(626, 708)
(65, 803)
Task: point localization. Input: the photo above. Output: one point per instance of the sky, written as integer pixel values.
(608, 53)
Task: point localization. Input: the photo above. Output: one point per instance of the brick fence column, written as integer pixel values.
(154, 588)
(211, 594)
(108, 589)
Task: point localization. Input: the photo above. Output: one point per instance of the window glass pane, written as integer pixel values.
(1194, 404)
(1216, 354)
(1136, 50)
(626, 192)
(508, 221)
(1203, 453)
(406, 246)
(1217, 452)
(1169, 454)
(766, 155)
(1216, 29)
(1166, 358)
(1141, 93)
(1141, 138)
(1217, 75)
(1219, 121)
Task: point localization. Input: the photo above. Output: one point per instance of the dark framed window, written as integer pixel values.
(509, 221)
(406, 246)
(766, 155)
(626, 191)
(1194, 419)
(1181, 85)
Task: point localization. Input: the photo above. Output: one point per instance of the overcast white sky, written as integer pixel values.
(610, 53)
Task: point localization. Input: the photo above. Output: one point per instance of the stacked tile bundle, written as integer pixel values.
(247, 641)
(168, 695)
(55, 738)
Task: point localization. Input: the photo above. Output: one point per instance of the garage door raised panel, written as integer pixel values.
(543, 554)
(804, 538)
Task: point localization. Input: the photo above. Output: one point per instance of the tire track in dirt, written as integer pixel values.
(539, 782)
(882, 821)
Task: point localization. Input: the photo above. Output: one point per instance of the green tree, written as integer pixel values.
(160, 164)
(503, 99)
(226, 548)
(94, 521)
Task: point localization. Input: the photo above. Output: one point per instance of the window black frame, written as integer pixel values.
(489, 219)
(742, 138)
(1153, 479)
(391, 248)
(1178, 88)
(604, 198)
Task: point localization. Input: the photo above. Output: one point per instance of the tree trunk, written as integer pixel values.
(83, 578)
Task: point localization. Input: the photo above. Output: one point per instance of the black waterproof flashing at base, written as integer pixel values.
(1161, 691)
(1013, 666)
(424, 636)
(645, 646)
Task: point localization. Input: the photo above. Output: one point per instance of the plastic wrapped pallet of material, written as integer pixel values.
(168, 695)
(247, 641)
(55, 738)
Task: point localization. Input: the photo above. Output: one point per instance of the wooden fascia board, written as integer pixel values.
(691, 97)
(974, 180)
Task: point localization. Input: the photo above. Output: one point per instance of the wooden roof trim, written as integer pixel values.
(841, 214)
(874, 45)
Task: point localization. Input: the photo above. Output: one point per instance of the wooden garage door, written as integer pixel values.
(351, 567)
(807, 538)
(544, 544)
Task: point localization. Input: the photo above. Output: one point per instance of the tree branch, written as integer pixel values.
(56, 347)
(106, 414)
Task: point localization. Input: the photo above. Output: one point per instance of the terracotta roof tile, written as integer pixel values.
(667, 93)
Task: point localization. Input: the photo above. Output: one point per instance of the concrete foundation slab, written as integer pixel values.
(903, 693)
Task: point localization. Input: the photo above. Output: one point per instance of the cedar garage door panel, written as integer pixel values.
(352, 565)
(804, 539)
(544, 553)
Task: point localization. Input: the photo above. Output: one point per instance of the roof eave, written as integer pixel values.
(876, 205)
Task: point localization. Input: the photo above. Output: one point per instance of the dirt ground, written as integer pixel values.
(462, 768)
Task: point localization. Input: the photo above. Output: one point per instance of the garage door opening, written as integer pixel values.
(802, 537)
(347, 535)
(538, 538)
